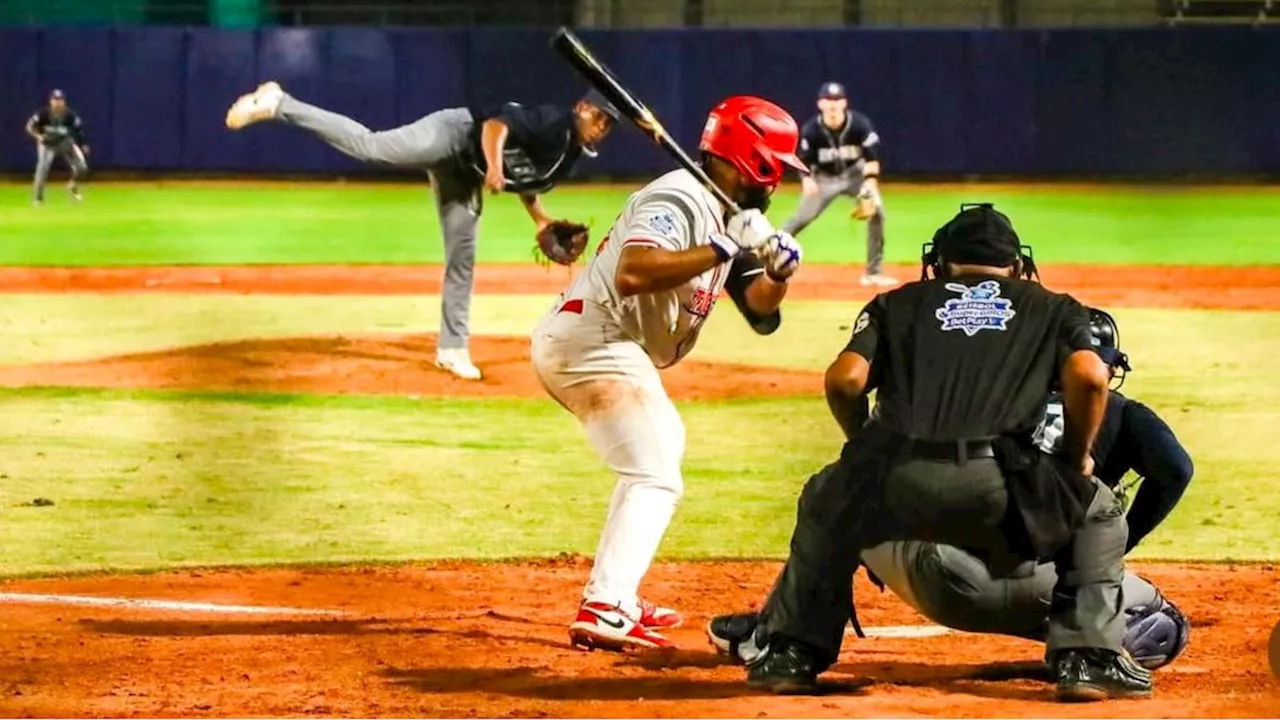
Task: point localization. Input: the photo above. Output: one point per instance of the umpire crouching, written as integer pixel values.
(962, 362)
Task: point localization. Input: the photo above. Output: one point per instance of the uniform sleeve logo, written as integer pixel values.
(979, 307)
(664, 224)
(863, 321)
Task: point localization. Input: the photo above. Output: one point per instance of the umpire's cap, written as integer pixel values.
(597, 98)
(56, 94)
(979, 235)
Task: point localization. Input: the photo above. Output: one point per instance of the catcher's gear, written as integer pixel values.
(865, 206)
(1157, 634)
(561, 242)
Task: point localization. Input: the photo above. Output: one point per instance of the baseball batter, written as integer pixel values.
(514, 148)
(842, 148)
(639, 306)
(59, 134)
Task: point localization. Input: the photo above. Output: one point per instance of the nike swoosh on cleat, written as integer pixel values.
(616, 625)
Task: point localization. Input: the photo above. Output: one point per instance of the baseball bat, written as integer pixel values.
(601, 78)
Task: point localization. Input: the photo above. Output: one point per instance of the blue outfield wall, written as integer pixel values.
(946, 102)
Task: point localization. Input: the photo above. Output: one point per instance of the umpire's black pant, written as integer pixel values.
(960, 504)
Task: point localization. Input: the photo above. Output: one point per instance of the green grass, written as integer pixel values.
(143, 480)
(176, 223)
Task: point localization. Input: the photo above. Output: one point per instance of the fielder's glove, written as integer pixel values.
(561, 242)
(782, 256)
(865, 206)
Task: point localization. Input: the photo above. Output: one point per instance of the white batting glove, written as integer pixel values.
(782, 256)
(748, 230)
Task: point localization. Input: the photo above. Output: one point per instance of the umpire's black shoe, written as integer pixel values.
(1091, 674)
(734, 635)
(785, 669)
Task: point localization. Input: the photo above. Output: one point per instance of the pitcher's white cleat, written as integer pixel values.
(458, 362)
(261, 104)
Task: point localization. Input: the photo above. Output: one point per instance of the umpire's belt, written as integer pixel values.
(950, 450)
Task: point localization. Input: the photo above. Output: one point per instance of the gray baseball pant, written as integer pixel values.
(956, 589)
(433, 144)
(69, 152)
(831, 187)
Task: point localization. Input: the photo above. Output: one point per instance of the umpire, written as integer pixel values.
(58, 133)
(962, 364)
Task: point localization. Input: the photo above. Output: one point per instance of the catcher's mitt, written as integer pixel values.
(561, 242)
(865, 206)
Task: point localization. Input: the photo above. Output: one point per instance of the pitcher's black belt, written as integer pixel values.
(950, 450)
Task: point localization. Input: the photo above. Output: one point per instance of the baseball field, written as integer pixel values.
(233, 483)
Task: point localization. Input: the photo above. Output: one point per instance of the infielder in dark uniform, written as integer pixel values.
(957, 589)
(59, 133)
(962, 364)
(842, 150)
(512, 148)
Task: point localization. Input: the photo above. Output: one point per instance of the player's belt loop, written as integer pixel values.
(571, 306)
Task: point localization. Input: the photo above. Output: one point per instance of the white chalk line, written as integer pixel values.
(144, 604)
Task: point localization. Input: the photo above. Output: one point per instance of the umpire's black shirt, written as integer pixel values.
(541, 149)
(967, 357)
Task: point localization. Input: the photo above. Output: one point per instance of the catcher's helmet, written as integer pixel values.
(1106, 340)
(978, 235)
(755, 136)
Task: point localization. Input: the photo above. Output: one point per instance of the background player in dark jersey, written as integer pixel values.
(512, 148)
(59, 133)
(961, 364)
(842, 151)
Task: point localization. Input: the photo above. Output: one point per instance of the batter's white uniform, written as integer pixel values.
(597, 354)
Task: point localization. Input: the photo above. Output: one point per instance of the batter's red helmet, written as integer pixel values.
(755, 136)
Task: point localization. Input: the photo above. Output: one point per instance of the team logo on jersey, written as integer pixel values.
(664, 223)
(701, 302)
(979, 307)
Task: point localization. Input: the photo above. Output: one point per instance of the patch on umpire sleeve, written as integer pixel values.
(863, 321)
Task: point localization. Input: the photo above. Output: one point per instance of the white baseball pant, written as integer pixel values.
(609, 383)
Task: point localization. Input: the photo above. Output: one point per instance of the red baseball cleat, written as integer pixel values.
(607, 627)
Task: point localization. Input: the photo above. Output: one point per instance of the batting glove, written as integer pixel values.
(748, 230)
(782, 256)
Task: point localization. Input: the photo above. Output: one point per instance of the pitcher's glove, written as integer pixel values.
(561, 242)
(865, 207)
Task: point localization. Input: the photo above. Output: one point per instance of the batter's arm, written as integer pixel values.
(644, 268)
(757, 296)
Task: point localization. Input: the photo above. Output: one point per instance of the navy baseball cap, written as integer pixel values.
(57, 95)
(832, 91)
(597, 98)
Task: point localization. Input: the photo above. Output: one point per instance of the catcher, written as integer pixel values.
(514, 148)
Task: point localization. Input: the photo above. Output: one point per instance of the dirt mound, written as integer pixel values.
(488, 640)
(375, 365)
